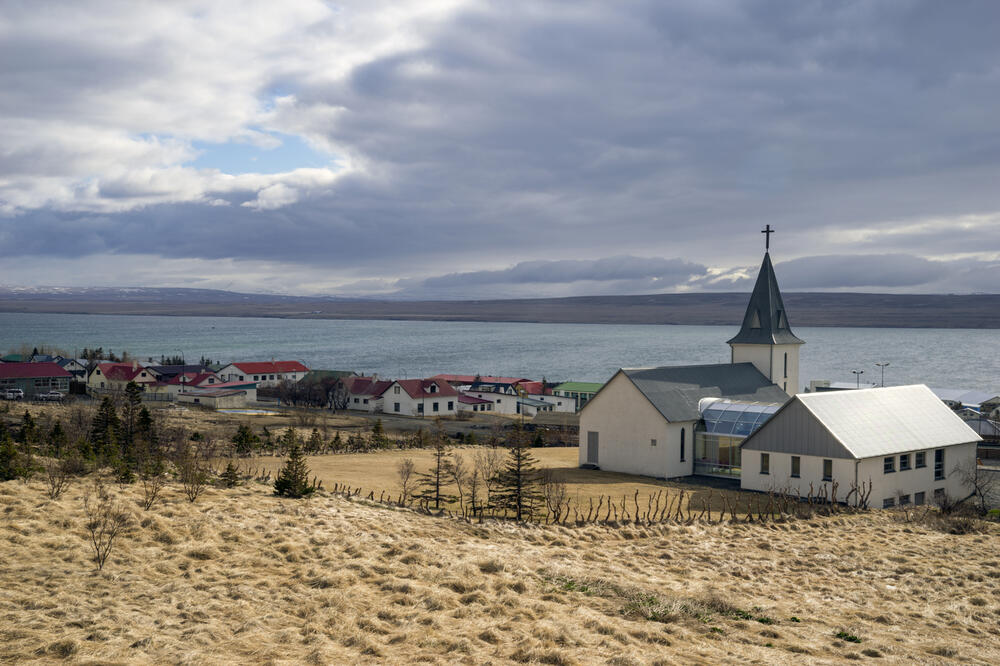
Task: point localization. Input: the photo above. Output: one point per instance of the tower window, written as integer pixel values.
(755, 320)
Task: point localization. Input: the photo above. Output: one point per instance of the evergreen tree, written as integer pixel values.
(10, 459)
(293, 479)
(315, 443)
(230, 476)
(517, 484)
(103, 429)
(58, 440)
(128, 425)
(288, 440)
(29, 430)
(337, 444)
(245, 440)
(432, 483)
(379, 440)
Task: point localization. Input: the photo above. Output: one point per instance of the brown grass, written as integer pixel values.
(244, 577)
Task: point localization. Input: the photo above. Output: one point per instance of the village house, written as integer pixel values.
(266, 374)
(468, 403)
(107, 376)
(34, 378)
(420, 397)
(363, 393)
(580, 392)
(214, 398)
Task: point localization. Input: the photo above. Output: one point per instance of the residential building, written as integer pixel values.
(34, 378)
(265, 373)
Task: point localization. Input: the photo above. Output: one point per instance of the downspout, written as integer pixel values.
(857, 490)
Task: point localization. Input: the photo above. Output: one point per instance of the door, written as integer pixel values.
(592, 447)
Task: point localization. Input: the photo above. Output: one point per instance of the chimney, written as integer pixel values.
(135, 366)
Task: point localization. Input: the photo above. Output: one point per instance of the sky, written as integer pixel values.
(464, 149)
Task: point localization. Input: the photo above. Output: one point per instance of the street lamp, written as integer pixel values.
(883, 366)
(857, 374)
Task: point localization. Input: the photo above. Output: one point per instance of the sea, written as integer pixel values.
(940, 358)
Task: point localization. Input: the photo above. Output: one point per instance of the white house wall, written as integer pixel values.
(869, 471)
(410, 406)
(770, 360)
(626, 423)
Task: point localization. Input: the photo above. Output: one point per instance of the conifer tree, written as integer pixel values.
(102, 430)
(245, 439)
(58, 441)
(433, 482)
(10, 459)
(315, 443)
(29, 431)
(293, 479)
(517, 485)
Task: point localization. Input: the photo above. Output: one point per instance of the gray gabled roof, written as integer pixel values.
(676, 390)
(766, 321)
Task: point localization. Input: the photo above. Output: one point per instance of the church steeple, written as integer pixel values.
(765, 321)
(766, 339)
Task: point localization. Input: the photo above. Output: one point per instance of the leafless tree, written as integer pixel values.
(985, 484)
(488, 462)
(458, 470)
(106, 520)
(554, 491)
(57, 478)
(192, 472)
(404, 470)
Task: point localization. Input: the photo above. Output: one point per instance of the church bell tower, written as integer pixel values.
(765, 339)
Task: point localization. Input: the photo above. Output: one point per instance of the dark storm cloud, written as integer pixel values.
(530, 134)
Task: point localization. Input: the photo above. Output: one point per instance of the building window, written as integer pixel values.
(272, 376)
(920, 460)
(904, 464)
(828, 470)
(395, 406)
(765, 463)
(938, 494)
(256, 378)
(652, 442)
(918, 498)
(395, 389)
(938, 464)
(420, 408)
(786, 365)
(356, 401)
(451, 406)
(888, 502)
(434, 406)
(904, 500)
(682, 445)
(889, 465)
(366, 401)
(796, 466)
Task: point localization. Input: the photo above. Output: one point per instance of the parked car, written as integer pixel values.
(13, 394)
(51, 396)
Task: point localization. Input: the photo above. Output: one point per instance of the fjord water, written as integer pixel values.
(942, 358)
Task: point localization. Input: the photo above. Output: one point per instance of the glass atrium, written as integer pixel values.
(723, 427)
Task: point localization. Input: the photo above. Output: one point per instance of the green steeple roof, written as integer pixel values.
(766, 322)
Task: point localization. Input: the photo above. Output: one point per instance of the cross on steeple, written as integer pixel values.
(767, 231)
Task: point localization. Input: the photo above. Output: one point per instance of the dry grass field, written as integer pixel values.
(241, 576)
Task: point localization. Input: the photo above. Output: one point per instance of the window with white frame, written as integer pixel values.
(796, 466)
(918, 498)
(920, 459)
(889, 465)
(765, 463)
(938, 464)
(888, 502)
(904, 463)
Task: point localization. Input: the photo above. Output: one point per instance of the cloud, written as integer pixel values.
(460, 147)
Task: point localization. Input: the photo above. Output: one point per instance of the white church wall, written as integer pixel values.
(779, 477)
(626, 424)
(909, 482)
(770, 360)
(900, 483)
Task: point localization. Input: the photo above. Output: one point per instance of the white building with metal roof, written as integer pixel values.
(901, 441)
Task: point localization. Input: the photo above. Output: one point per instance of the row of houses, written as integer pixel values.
(448, 395)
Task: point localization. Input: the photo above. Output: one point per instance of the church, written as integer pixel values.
(711, 420)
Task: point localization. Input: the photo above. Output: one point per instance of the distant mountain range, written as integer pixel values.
(804, 308)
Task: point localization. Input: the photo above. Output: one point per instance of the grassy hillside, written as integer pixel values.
(243, 577)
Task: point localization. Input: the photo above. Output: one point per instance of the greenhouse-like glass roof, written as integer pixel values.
(740, 419)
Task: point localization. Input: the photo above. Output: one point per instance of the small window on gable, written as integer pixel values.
(652, 442)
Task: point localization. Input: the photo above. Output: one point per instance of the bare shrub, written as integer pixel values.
(153, 481)
(191, 472)
(458, 470)
(404, 471)
(57, 478)
(106, 520)
(554, 492)
(488, 463)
